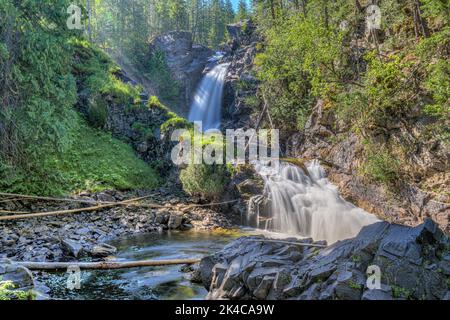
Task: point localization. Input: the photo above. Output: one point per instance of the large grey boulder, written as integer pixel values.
(103, 250)
(409, 260)
(72, 248)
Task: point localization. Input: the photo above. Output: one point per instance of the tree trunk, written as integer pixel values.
(420, 25)
(104, 265)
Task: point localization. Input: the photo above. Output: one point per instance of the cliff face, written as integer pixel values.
(408, 201)
(186, 62)
(241, 84)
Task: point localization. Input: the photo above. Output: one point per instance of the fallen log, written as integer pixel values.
(15, 215)
(104, 265)
(80, 210)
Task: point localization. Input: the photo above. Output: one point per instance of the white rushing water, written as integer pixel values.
(302, 203)
(307, 204)
(207, 103)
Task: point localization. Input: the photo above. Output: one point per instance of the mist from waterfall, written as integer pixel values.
(207, 103)
(307, 204)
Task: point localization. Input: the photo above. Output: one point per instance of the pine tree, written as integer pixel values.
(242, 12)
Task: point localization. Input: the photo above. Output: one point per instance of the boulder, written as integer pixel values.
(72, 248)
(175, 221)
(409, 260)
(103, 250)
(20, 276)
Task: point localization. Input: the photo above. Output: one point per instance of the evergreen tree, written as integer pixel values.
(242, 12)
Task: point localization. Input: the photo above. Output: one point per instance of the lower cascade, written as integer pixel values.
(207, 103)
(305, 203)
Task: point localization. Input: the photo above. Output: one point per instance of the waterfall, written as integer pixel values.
(207, 103)
(307, 204)
(301, 203)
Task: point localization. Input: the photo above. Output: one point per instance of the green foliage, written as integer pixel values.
(94, 162)
(372, 88)
(355, 285)
(436, 9)
(176, 123)
(434, 55)
(158, 71)
(206, 181)
(243, 12)
(46, 148)
(252, 101)
(299, 63)
(380, 165)
(7, 292)
(37, 87)
(96, 71)
(399, 292)
(145, 130)
(382, 97)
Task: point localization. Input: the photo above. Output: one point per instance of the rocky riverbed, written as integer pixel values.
(72, 236)
(414, 263)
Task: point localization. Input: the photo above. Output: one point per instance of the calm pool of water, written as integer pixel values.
(165, 283)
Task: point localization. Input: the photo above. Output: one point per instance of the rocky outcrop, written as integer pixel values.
(186, 62)
(140, 127)
(241, 84)
(414, 263)
(342, 152)
(422, 193)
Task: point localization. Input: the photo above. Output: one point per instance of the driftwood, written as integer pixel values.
(291, 243)
(104, 265)
(53, 213)
(14, 215)
(22, 197)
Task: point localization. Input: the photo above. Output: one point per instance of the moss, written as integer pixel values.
(176, 123)
(97, 73)
(95, 161)
(144, 130)
(399, 292)
(7, 292)
(355, 285)
(233, 233)
(97, 112)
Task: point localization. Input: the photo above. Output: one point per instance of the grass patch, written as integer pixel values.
(95, 161)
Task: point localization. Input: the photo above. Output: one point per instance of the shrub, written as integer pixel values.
(159, 73)
(205, 181)
(380, 165)
(97, 112)
(7, 292)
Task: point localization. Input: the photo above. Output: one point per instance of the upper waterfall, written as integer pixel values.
(307, 204)
(207, 103)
